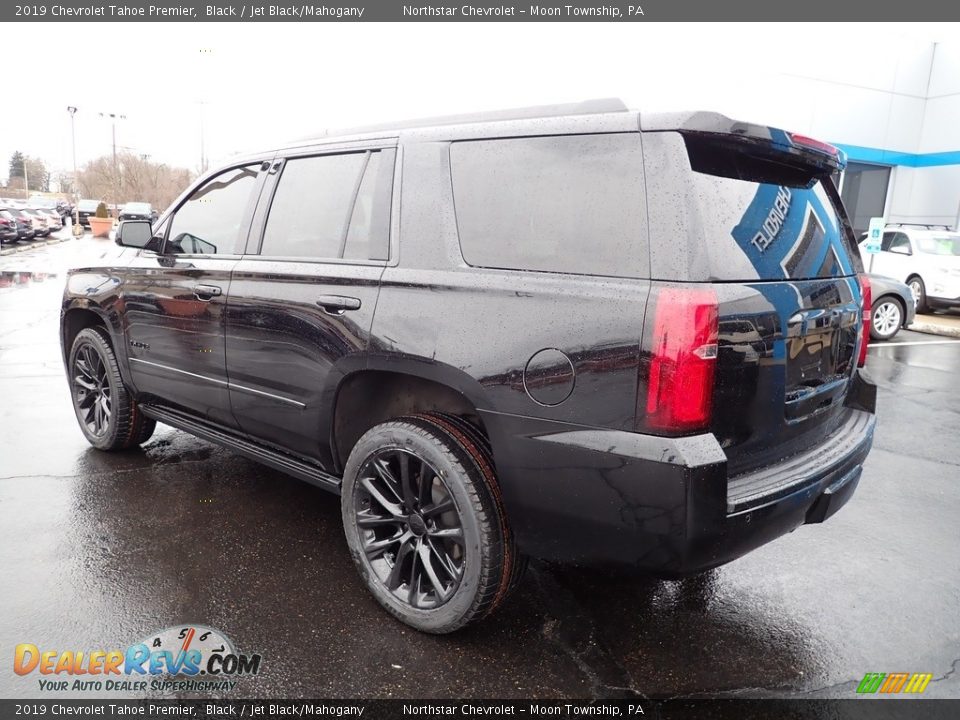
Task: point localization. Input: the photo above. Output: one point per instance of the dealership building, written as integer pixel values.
(894, 108)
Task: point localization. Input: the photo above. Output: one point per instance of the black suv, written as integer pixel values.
(581, 334)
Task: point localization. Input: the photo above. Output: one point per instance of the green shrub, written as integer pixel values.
(102, 211)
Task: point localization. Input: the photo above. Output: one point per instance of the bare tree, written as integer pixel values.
(140, 180)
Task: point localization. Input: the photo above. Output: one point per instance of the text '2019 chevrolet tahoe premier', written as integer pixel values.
(580, 334)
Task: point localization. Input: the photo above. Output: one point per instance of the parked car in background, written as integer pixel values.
(26, 226)
(894, 306)
(85, 209)
(59, 206)
(925, 258)
(138, 211)
(578, 334)
(53, 217)
(9, 231)
(41, 223)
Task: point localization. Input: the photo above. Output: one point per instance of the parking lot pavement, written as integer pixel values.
(99, 550)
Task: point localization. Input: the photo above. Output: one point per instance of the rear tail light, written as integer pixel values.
(867, 293)
(813, 144)
(680, 390)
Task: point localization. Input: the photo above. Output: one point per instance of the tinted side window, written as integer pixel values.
(570, 203)
(311, 206)
(209, 221)
(887, 240)
(369, 235)
(331, 206)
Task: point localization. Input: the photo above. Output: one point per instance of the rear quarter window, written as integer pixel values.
(570, 204)
(726, 210)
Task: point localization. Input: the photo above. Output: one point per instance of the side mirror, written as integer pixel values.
(134, 233)
(901, 250)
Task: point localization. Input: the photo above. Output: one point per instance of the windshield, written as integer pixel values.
(947, 244)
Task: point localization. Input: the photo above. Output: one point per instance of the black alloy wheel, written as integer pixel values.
(410, 529)
(91, 391)
(108, 416)
(425, 523)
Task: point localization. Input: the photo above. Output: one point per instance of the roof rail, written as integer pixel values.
(586, 107)
(925, 226)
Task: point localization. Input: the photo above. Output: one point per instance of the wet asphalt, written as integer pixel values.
(97, 550)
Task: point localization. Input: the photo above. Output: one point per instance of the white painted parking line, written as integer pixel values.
(913, 342)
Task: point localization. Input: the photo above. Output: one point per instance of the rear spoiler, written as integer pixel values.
(803, 148)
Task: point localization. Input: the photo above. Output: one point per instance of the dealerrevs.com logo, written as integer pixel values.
(204, 656)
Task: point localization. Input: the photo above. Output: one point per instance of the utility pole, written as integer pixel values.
(76, 185)
(203, 149)
(116, 175)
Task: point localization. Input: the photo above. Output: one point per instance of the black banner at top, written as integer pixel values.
(476, 11)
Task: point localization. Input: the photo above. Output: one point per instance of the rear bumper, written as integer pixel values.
(663, 505)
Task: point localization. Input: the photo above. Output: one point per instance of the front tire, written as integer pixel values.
(886, 318)
(423, 524)
(108, 416)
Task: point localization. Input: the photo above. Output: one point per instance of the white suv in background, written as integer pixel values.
(925, 258)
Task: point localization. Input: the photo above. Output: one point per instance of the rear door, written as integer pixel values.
(302, 298)
(764, 229)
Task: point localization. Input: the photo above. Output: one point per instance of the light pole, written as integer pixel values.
(116, 175)
(76, 186)
(203, 149)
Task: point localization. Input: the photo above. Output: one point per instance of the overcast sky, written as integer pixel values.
(261, 84)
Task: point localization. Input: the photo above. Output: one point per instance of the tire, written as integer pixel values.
(111, 420)
(919, 292)
(435, 571)
(475, 435)
(886, 318)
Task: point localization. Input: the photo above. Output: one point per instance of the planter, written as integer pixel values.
(101, 227)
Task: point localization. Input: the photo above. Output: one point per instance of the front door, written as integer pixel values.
(175, 298)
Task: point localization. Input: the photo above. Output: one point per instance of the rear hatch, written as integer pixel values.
(755, 221)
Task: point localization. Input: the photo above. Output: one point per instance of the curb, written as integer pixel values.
(33, 245)
(932, 328)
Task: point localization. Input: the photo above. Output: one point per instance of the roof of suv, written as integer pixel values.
(603, 115)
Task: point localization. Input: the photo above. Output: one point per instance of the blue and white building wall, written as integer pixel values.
(893, 106)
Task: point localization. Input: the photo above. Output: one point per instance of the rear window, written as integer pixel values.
(753, 212)
(571, 204)
(946, 244)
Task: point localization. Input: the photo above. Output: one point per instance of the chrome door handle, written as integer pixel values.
(336, 304)
(206, 292)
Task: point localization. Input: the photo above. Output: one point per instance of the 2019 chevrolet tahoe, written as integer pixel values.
(579, 333)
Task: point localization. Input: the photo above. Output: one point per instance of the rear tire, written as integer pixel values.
(920, 293)
(886, 318)
(423, 524)
(108, 416)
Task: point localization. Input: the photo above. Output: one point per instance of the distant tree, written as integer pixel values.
(38, 176)
(29, 172)
(16, 164)
(136, 179)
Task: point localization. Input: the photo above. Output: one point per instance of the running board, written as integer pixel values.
(279, 461)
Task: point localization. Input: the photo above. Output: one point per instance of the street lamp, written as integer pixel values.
(116, 175)
(76, 186)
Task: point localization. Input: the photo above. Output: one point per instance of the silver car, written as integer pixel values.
(893, 307)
